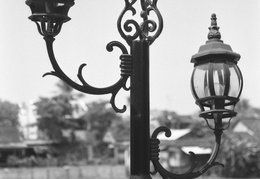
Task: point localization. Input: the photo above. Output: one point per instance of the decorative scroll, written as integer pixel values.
(49, 27)
(158, 168)
(131, 29)
(126, 70)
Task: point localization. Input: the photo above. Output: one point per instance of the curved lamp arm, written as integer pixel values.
(190, 173)
(126, 68)
(50, 17)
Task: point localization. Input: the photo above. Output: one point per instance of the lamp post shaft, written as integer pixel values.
(140, 111)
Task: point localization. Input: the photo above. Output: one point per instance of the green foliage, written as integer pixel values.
(97, 120)
(240, 151)
(9, 113)
(54, 115)
(60, 113)
(245, 110)
(173, 120)
(122, 129)
(201, 130)
(241, 157)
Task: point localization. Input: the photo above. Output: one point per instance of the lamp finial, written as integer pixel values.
(213, 29)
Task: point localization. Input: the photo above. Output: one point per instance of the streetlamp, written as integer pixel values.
(216, 81)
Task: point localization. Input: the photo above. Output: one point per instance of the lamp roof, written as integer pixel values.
(215, 49)
(55, 10)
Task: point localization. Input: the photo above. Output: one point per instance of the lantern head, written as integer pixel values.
(216, 81)
(49, 15)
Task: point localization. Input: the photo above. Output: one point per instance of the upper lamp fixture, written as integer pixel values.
(49, 15)
(216, 81)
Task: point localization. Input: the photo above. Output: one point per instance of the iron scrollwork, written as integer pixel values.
(49, 25)
(143, 30)
(125, 66)
(158, 168)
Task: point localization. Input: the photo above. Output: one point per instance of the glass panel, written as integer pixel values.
(200, 80)
(219, 79)
(236, 81)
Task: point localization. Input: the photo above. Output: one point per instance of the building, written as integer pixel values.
(11, 145)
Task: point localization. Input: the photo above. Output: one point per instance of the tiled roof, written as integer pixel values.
(9, 134)
(253, 126)
(200, 142)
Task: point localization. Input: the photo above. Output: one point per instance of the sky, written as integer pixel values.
(24, 59)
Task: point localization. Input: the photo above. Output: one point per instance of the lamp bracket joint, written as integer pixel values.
(190, 174)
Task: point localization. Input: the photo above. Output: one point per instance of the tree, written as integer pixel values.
(60, 114)
(173, 120)
(64, 89)
(9, 114)
(241, 157)
(68, 91)
(54, 114)
(97, 120)
(246, 110)
(57, 122)
(240, 152)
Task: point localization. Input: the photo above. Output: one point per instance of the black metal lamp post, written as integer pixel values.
(216, 81)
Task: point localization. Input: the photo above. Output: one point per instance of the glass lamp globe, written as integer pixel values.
(216, 81)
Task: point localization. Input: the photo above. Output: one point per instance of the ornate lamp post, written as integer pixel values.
(216, 81)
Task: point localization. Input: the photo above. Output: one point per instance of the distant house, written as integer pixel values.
(174, 120)
(11, 144)
(247, 129)
(118, 143)
(175, 150)
(249, 126)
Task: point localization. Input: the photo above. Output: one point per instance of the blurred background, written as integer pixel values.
(46, 127)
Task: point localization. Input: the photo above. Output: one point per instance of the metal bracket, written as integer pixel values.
(126, 70)
(158, 168)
